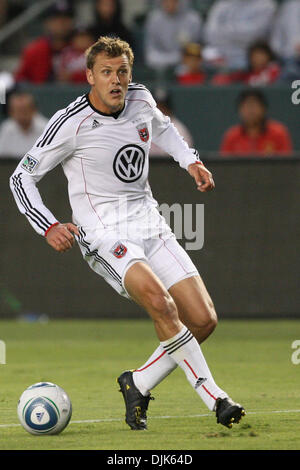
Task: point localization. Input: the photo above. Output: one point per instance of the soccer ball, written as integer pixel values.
(44, 408)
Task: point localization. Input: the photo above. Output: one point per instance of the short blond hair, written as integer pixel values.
(112, 46)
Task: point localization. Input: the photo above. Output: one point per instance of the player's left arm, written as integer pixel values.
(202, 176)
(166, 136)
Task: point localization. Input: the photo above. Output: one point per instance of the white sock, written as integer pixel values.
(185, 350)
(158, 366)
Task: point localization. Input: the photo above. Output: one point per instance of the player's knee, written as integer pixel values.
(163, 307)
(212, 322)
(163, 303)
(210, 316)
(207, 319)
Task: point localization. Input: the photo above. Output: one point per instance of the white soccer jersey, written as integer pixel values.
(104, 157)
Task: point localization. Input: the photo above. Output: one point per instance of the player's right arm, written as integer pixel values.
(55, 145)
(167, 137)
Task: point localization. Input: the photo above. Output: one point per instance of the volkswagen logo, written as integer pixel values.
(129, 163)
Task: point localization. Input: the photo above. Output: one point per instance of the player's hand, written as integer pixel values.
(202, 176)
(61, 237)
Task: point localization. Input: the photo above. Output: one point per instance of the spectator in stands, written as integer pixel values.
(72, 61)
(190, 71)
(168, 29)
(109, 21)
(22, 128)
(39, 58)
(285, 38)
(164, 104)
(232, 25)
(256, 135)
(263, 68)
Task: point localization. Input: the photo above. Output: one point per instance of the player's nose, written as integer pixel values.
(115, 78)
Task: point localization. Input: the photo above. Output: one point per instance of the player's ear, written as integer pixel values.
(90, 76)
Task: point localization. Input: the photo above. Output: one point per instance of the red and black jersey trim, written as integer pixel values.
(97, 257)
(31, 212)
(178, 343)
(196, 153)
(56, 125)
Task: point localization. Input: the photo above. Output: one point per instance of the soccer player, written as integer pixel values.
(102, 141)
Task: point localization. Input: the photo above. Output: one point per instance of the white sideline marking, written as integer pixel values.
(111, 420)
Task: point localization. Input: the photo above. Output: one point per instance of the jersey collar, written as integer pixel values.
(113, 115)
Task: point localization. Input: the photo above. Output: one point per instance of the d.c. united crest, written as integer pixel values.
(143, 132)
(119, 250)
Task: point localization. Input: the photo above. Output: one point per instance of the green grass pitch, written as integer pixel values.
(251, 360)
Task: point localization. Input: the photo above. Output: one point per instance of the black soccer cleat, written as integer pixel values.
(228, 412)
(136, 403)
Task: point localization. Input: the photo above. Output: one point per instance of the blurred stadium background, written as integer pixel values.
(249, 259)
